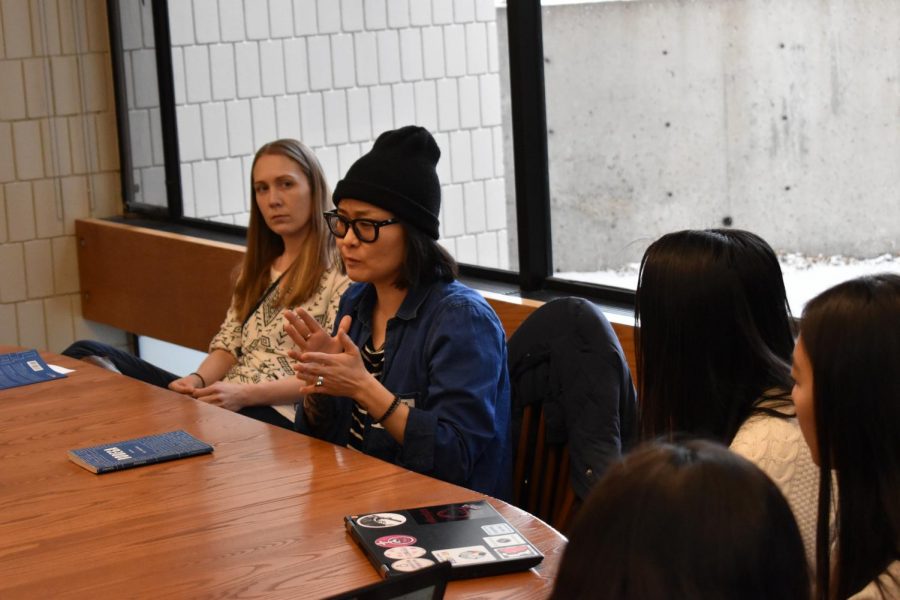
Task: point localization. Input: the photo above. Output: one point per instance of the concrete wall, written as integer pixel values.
(782, 115)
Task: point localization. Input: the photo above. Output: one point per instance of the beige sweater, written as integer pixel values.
(777, 447)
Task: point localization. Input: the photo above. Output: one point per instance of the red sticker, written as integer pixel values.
(392, 541)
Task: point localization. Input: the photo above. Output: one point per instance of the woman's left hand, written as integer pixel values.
(342, 374)
(227, 395)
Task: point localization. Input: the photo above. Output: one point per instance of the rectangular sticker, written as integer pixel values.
(464, 556)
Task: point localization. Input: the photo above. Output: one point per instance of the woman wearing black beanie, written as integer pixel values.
(416, 371)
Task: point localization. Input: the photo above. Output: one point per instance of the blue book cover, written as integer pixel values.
(139, 451)
(24, 368)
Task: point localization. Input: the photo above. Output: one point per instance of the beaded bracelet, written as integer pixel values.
(389, 411)
(200, 377)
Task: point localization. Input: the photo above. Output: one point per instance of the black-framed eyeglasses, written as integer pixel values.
(365, 230)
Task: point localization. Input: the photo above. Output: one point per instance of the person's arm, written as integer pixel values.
(212, 369)
(467, 409)
(235, 396)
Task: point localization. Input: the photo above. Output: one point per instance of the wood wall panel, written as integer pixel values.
(176, 288)
(169, 286)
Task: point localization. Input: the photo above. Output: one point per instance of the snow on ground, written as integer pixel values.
(804, 276)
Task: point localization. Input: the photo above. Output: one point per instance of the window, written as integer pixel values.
(573, 133)
(777, 118)
(333, 73)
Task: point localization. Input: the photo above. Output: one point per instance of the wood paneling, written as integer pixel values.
(169, 286)
(177, 288)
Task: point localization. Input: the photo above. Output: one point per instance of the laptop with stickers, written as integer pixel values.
(473, 537)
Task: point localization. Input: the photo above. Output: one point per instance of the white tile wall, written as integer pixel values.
(296, 70)
(329, 12)
(305, 20)
(206, 21)
(336, 73)
(420, 13)
(433, 51)
(366, 47)
(352, 15)
(473, 197)
(240, 128)
(342, 61)
(376, 14)
(20, 211)
(38, 268)
(143, 64)
(336, 129)
(215, 130)
(231, 185)
(231, 20)
(271, 59)
(222, 63)
(256, 19)
(358, 105)
(398, 13)
(281, 19)
(51, 169)
(264, 128)
(442, 12)
(287, 109)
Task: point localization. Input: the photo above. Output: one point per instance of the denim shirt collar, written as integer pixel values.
(409, 308)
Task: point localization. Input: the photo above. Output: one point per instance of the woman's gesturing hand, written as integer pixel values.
(334, 374)
(309, 335)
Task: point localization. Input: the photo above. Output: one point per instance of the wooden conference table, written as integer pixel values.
(261, 517)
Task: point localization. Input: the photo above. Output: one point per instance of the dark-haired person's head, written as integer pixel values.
(689, 520)
(847, 392)
(715, 331)
(387, 213)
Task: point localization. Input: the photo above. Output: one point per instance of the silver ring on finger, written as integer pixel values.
(320, 381)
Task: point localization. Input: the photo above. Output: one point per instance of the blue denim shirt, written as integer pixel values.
(445, 355)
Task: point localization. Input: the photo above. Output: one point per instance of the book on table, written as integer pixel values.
(24, 368)
(473, 537)
(136, 452)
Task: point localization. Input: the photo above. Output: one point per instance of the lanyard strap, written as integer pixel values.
(262, 298)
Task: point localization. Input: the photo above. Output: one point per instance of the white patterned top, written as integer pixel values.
(890, 579)
(777, 447)
(262, 342)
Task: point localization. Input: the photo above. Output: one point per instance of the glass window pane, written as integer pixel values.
(142, 97)
(779, 118)
(335, 74)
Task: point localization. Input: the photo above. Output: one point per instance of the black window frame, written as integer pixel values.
(530, 158)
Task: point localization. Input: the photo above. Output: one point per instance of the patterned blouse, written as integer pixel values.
(261, 345)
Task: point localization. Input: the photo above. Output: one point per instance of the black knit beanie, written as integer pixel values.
(398, 174)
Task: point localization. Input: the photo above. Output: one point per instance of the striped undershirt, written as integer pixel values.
(374, 361)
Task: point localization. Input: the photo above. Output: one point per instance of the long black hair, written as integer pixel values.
(684, 521)
(713, 332)
(851, 335)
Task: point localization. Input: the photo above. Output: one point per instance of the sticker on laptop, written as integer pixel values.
(515, 551)
(381, 520)
(450, 512)
(407, 565)
(497, 529)
(464, 556)
(399, 552)
(391, 541)
(504, 540)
